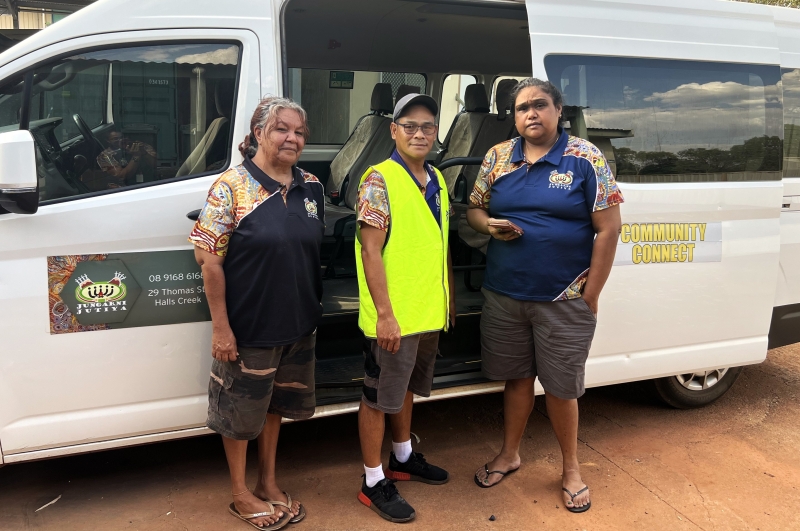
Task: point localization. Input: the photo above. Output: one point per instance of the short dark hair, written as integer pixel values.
(545, 86)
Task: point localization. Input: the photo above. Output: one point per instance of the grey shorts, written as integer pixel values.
(277, 380)
(388, 376)
(524, 339)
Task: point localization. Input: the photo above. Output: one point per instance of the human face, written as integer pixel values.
(115, 140)
(535, 116)
(283, 141)
(418, 145)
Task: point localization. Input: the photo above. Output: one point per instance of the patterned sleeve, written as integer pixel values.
(373, 203)
(605, 193)
(217, 220)
(482, 192)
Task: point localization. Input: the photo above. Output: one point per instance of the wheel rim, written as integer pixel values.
(700, 381)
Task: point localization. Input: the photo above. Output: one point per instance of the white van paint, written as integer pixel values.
(72, 393)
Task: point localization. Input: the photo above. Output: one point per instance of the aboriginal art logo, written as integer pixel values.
(561, 180)
(89, 292)
(311, 208)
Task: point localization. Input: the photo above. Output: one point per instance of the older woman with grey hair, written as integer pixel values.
(258, 241)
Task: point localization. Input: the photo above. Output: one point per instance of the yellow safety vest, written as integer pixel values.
(414, 257)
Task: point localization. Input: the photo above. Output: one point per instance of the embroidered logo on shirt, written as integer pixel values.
(311, 208)
(561, 180)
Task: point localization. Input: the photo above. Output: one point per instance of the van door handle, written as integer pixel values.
(193, 215)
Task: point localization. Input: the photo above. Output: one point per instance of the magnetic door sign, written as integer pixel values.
(106, 291)
(659, 243)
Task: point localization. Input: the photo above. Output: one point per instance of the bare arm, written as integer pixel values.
(607, 224)
(478, 219)
(223, 342)
(388, 330)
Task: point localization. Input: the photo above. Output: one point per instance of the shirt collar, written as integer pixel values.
(430, 182)
(270, 184)
(553, 156)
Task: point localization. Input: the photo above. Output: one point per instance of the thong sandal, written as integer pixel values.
(288, 505)
(247, 517)
(574, 509)
(488, 473)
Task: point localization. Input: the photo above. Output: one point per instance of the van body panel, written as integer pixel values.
(73, 388)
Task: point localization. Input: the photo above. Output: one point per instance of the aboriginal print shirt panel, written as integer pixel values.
(552, 200)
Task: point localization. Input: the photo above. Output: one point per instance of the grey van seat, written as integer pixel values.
(464, 131)
(369, 134)
(212, 150)
(405, 90)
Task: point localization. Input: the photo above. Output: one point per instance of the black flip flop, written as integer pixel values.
(574, 509)
(488, 473)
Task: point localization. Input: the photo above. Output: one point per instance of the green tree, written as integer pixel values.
(784, 3)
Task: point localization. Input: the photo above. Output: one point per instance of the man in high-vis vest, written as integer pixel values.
(405, 280)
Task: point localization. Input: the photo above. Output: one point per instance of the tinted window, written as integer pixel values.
(11, 103)
(335, 100)
(791, 121)
(120, 117)
(672, 121)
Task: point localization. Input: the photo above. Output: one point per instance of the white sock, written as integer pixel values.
(402, 451)
(373, 475)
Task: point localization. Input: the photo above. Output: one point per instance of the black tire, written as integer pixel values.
(673, 393)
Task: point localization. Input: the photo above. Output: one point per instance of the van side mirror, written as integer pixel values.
(19, 190)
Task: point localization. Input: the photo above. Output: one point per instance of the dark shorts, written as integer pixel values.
(388, 376)
(277, 380)
(524, 339)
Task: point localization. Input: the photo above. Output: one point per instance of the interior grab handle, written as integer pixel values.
(193, 215)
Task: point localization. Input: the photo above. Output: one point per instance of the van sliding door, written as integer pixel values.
(685, 103)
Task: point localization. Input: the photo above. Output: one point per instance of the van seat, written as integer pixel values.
(405, 90)
(369, 135)
(464, 131)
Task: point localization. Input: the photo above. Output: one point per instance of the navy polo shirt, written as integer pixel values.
(432, 188)
(273, 280)
(552, 200)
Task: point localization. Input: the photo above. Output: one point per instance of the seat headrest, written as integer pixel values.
(503, 96)
(382, 98)
(475, 99)
(223, 97)
(405, 90)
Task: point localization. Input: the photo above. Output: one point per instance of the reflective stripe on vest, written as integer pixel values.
(414, 258)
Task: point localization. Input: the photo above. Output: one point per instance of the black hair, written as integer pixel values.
(545, 86)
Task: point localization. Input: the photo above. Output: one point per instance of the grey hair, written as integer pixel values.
(545, 86)
(265, 117)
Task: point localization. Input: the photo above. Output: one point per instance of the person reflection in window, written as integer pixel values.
(125, 161)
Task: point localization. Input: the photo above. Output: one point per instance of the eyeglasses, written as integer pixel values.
(411, 129)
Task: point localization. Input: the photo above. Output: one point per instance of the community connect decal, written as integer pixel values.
(659, 243)
(106, 291)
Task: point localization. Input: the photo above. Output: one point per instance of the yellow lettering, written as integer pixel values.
(635, 233)
(656, 253)
(687, 236)
(647, 232)
(658, 233)
(647, 253)
(692, 229)
(682, 252)
(691, 251)
(702, 227)
(665, 252)
(673, 253)
(625, 236)
(669, 233)
(679, 232)
(637, 254)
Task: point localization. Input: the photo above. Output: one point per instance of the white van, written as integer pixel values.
(115, 122)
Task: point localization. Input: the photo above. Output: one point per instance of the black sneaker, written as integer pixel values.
(415, 469)
(384, 499)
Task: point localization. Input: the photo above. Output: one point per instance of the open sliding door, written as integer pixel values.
(684, 100)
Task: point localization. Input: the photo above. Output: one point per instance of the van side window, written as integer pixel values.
(114, 118)
(11, 103)
(791, 119)
(675, 121)
(336, 100)
(453, 89)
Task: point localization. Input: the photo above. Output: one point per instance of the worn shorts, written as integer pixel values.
(524, 339)
(388, 376)
(277, 380)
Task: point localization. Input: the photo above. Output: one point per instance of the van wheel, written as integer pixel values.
(685, 391)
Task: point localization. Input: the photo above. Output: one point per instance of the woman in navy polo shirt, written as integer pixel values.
(550, 203)
(258, 241)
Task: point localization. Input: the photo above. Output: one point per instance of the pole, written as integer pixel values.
(14, 11)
